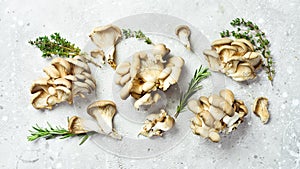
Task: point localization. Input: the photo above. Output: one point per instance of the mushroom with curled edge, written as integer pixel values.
(260, 109)
(148, 72)
(235, 58)
(183, 33)
(104, 111)
(78, 125)
(157, 124)
(106, 37)
(218, 113)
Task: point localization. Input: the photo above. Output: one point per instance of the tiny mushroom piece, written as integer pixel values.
(218, 113)
(106, 37)
(104, 111)
(260, 109)
(183, 32)
(157, 124)
(235, 58)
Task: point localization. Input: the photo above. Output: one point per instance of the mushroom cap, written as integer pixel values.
(75, 125)
(184, 28)
(222, 41)
(245, 41)
(260, 109)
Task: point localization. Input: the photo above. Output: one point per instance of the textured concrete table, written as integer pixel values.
(255, 145)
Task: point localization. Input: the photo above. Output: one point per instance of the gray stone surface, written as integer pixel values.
(275, 145)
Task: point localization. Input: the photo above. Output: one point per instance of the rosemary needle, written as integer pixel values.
(199, 75)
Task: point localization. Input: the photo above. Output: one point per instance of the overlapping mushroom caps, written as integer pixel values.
(217, 113)
(106, 37)
(236, 58)
(66, 78)
(146, 73)
(157, 124)
(103, 112)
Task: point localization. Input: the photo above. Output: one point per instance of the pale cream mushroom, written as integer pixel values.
(217, 113)
(78, 125)
(157, 124)
(183, 32)
(260, 109)
(146, 73)
(235, 58)
(106, 37)
(104, 111)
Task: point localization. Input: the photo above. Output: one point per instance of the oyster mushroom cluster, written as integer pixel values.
(216, 113)
(102, 112)
(146, 73)
(66, 78)
(235, 58)
(106, 37)
(157, 124)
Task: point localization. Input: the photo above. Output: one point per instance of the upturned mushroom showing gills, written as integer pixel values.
(157, 124)
(106, 37)
(183, 33)
(103, 111)
(146, 73)
(66, 78)
(235, 58)
(216, 113)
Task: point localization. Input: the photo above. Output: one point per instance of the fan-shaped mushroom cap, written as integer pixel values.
(183, 32)
(260, 108)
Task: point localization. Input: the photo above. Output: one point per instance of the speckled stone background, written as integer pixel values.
(275, 145)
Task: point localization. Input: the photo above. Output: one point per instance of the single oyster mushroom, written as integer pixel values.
(106, 37)
(260, 109)
(183, 32)
(157, 124)
(104, 111)
(78, 125)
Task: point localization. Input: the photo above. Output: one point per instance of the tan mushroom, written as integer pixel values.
(78, 125)
(235, 58)
(183, 32)
(157, 124)
(260, 109)
(218, 113)
(106, 37)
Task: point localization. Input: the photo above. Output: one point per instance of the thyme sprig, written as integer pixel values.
(250, 31)
(128, 33)
(199, 75)
(55, 45)
(53, 132)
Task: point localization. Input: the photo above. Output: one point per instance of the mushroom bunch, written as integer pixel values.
(235, 58)
(216, 113)
(147, 72)
(103, 111)
(66, 78)
(106, 37)
(157, 124)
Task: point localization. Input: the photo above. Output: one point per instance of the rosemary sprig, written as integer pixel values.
(51, 132)
(250, 31)
(55, 45)
(194, 86)
(128, 33)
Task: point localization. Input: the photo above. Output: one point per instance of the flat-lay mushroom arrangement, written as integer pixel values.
(145, 76)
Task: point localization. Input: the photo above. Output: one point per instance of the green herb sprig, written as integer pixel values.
(55, 45)
(128, 33)
(250, 31)
(199, 75)
(51, 132)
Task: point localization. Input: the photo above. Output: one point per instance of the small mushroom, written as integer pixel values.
(78, 125)
(183, 32)
(157, 124)
(106, 37)
(260, 109)
(104, 111)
